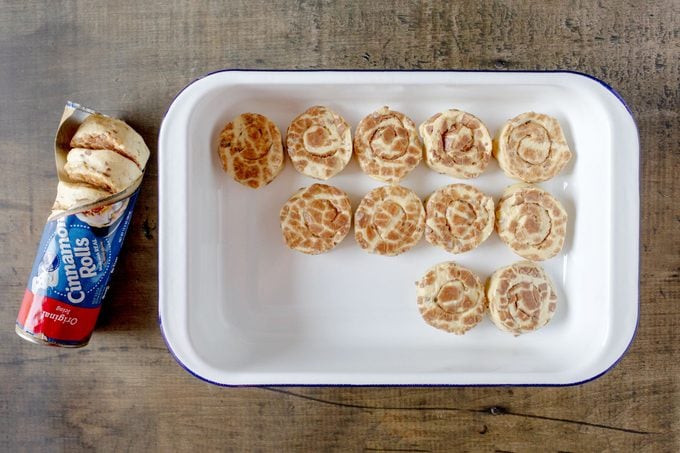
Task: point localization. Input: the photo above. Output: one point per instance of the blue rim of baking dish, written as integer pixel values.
(553, 71)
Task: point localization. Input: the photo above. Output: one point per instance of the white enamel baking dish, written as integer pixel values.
(236, 307)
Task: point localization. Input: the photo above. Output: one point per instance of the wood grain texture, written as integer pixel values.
(125, 392)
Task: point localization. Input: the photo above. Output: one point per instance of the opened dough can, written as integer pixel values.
(100, 162)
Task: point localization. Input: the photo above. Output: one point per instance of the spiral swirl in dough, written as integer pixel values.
(531, 222)
(456, 144)
(521, 298)
(251, 150)
(316, 219)
(459, 218)
(389, 220)
(387, 145)
(451, 298)
(319, 143)
(532, 147)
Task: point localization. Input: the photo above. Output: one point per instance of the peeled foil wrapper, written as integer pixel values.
(76, 196)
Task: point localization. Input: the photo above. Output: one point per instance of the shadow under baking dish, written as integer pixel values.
(239, 308)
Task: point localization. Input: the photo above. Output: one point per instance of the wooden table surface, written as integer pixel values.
(124, 392)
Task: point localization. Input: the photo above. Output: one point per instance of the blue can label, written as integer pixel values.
(69, 279)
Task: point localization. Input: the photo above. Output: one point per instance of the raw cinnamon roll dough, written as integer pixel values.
(456, 144)
(451, 298)
(71, 195)
(251, 150)
(102, 168)
(319, 143)
(531, 222)
(532, 147)
(315, 219)
(521, 298)
(459, 218)
(387, 146)
(102, 132)
(389, 220)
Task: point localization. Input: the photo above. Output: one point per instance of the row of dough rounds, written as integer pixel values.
(530, 147)
(519, 298)
(391, 219)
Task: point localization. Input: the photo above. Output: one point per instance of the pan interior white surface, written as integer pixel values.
(238, 307)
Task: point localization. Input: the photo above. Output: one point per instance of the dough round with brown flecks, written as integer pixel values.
(251, 150)
(389, 220)
(101, 168)
(451, 298)
(387, 145)
(532, 147)
(459, 217)
(456, 144)
(72, 195)
(316, 219)
(521, 297)
(102, 132)
(319, 143)
(531, 222)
